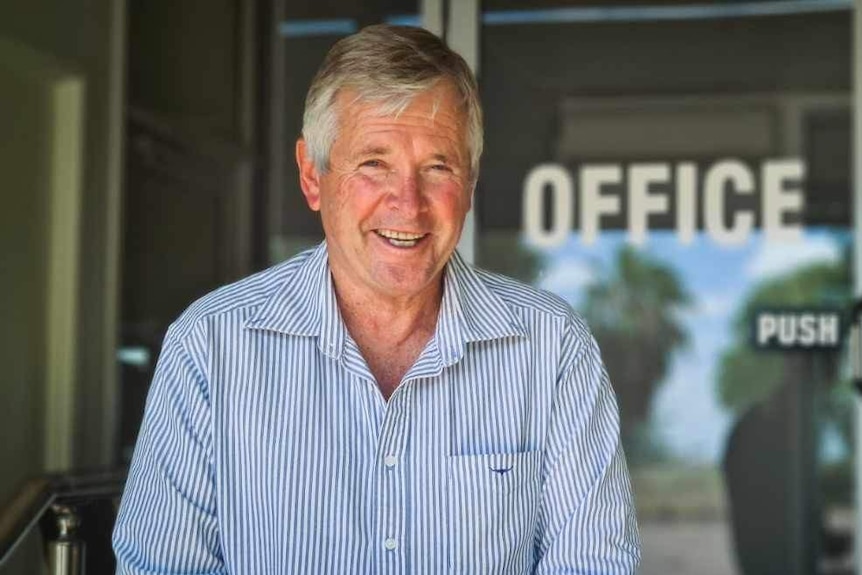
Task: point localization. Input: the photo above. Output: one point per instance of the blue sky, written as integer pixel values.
(686, 413)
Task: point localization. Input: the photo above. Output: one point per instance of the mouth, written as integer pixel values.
(400, 239)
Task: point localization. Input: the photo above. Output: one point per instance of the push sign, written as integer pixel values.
(799, 329)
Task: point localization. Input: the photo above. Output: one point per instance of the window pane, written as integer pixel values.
(678, 176)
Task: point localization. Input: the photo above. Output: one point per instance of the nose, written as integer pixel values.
(406, 195)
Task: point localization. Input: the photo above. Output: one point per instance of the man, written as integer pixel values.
(376, 405)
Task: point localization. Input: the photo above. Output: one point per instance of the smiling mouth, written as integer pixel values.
(400, 239)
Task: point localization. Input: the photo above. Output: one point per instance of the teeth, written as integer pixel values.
(400, 239)
(393, 235)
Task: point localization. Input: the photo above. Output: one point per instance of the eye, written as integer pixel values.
(373, 164)
(440, 168)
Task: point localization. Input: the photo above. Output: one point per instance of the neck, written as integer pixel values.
(389, 317)
(390, 332)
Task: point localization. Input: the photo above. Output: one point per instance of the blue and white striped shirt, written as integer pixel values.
(267, 447)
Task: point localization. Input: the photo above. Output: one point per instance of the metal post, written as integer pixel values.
(66, 553)
(432, 16)
(462, 35)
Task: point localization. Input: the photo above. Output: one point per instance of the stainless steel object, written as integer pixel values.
(65, 555)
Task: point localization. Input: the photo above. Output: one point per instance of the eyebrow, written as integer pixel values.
(373, 151)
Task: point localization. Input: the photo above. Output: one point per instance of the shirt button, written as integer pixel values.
(390, 461)
(390, 544)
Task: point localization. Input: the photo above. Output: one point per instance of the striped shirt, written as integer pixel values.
(267, 447)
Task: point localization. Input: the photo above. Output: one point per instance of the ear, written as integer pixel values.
(309, 177)
(471, 198)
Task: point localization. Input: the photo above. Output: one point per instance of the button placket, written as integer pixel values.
(390, 474)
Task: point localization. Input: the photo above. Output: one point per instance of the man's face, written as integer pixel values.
(394, 199)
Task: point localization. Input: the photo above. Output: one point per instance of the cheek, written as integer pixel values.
(363, 187)
(353, 199)
(454, 200)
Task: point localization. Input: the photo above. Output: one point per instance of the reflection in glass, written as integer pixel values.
(742, 458)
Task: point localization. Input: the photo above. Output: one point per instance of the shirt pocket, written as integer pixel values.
(493, 511)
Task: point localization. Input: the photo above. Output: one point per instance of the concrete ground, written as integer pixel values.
(686, 548)
(706, 548)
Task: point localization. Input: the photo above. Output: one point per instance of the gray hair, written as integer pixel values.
(390, 65)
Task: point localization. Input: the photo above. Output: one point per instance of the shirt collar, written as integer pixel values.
(471, 312)
(305, 305)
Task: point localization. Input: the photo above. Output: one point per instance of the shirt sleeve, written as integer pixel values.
(167, 518)
(587, 519)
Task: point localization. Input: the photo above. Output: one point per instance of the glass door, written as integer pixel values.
(680, 173)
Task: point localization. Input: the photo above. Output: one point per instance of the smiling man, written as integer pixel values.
(393, 198)
(376, 405)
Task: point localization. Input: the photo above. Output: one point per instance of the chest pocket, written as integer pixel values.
(493, 511)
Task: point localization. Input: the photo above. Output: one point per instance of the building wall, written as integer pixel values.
(85, 38)
(88, 36)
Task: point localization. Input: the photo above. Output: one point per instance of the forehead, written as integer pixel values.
(436, 111)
